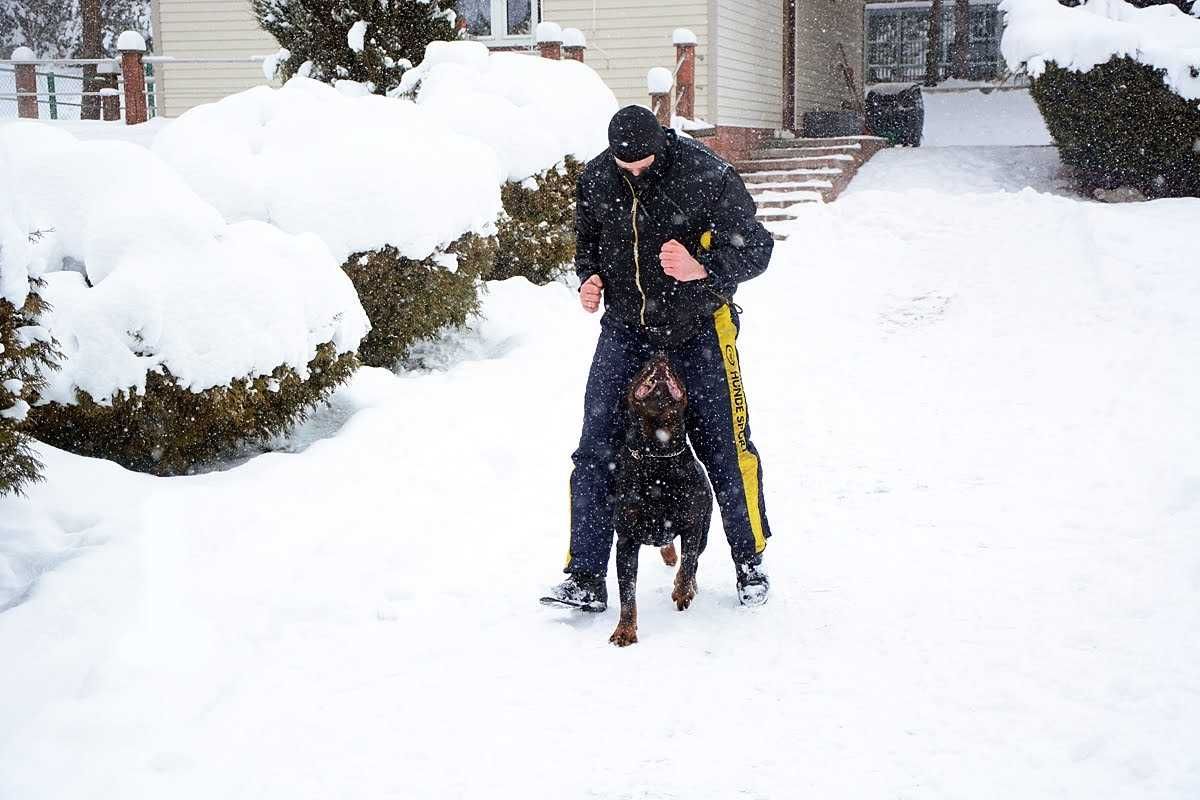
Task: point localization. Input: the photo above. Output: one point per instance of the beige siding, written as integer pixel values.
(206, 28)
(821, 26)
(628, 37)
(749, 62)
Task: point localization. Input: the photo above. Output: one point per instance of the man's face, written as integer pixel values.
(635, 168)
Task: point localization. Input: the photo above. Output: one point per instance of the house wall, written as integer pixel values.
(206, 28)
(627, 37)
(821, 27)
(748, 59)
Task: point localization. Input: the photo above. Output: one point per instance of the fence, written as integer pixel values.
(897, 40)
(55, 88)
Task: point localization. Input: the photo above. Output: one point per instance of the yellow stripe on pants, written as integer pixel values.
(747, 461)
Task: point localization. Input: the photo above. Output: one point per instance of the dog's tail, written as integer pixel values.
(669, 556)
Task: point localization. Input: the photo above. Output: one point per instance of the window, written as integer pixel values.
(499, 21)
(897, 38)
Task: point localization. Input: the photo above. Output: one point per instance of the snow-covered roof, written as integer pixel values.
(359, 170)
(530, 111)
(142, 274)
(1039, 32)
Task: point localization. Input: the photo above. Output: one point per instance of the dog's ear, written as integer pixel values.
(642, 389)
(673, 386)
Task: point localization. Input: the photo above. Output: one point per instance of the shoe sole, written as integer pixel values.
(589, 608)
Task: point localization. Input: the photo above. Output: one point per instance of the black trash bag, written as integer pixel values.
(898, 117)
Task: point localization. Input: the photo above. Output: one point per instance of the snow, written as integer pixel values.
(532, 112)
(142, 274)
(976, 410)
(1000, 117)
(659, 80)
(131, 41)
(548, 32)
(356, 35)
(683, 36)
(376, 170)
(573, 37)
(1041, 31)
(23, 54)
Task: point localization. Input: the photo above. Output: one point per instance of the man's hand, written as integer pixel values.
(589, 294)
(679, 264)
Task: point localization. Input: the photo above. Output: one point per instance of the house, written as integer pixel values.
(762, 65)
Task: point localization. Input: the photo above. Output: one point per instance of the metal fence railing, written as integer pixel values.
(897, 40)
(60, 89)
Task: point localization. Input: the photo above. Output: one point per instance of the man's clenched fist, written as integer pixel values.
(589, 294)
(679, 264)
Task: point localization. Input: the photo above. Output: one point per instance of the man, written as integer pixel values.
(665, 233)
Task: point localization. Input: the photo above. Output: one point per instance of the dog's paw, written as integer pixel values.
(624, 635)
(669, 556)
(684, 594)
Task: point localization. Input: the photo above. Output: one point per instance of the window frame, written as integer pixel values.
(499, 18)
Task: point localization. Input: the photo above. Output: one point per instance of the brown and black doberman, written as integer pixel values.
(661, 490)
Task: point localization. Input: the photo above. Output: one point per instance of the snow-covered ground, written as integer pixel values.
(976, 410)
(976, 118)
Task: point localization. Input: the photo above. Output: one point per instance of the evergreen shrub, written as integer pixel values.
(1119, 124)
(318, 32)
(170, 430)
(24, 353)
(409, 300)
(537, 231)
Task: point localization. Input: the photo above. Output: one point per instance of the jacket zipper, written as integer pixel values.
(637, 264)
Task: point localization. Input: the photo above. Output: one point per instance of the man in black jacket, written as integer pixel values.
(665, 232)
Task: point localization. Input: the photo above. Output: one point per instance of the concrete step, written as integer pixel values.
(824, 142)
(753, 179)
(803, 152)
(787, 201)
(775, 215)
(788, 186)
(806, 162)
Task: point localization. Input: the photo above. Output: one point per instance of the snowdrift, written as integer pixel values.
(533, 112)
(144, 275)
(1039, 32)
(360, 171)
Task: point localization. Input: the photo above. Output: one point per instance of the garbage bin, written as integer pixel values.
(898, 116)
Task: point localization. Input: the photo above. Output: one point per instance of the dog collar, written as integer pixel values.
(638, 456)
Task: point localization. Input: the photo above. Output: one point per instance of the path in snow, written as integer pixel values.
(976, 414)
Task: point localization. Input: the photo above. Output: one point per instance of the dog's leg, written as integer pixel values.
(694, 542)
(669, 556)
(627, 566)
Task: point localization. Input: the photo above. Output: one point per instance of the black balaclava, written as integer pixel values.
(634, 134)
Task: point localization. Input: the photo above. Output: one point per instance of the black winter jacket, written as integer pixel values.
(689, 195)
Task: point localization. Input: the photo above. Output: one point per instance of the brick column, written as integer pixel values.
(658, 82)
(110, 100)
(685, 77)
(550, 40)
(133, 75)
(26, 80)
(574, 44)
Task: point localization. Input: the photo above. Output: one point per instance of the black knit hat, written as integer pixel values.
(634, 134)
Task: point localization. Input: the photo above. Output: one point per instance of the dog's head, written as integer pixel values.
(657, 394)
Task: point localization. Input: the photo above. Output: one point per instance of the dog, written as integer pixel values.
(662, 492)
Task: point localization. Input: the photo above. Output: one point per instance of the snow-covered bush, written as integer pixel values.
(180, 335)
(370, 42)
(373, 177)
(543, 118)
(1119, 87)
(26, 354)
(537, 232)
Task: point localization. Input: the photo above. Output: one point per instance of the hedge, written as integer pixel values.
(170, 430)
(23, 357)
(409, 300)
(537, 232)
(1119, 124)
